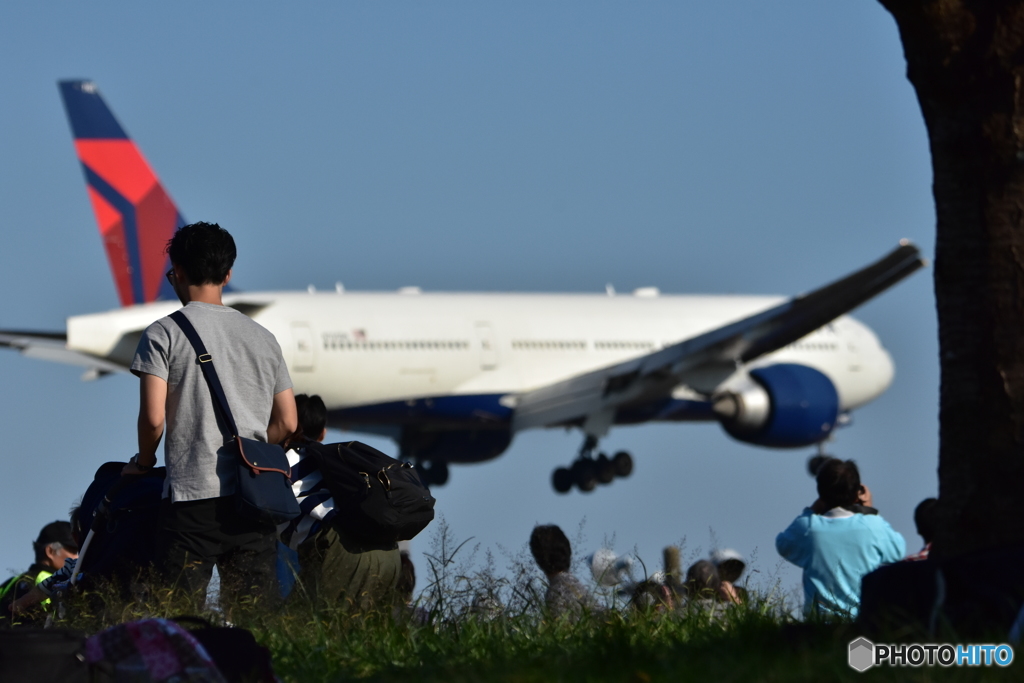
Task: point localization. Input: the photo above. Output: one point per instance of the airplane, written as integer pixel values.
(452, 377)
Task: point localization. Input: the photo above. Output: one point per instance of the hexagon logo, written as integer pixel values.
(862, 654)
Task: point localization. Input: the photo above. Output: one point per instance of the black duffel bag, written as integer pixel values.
(234, 650)
(377, 497)
(29, 655)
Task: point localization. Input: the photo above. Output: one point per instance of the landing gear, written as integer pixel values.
(584, 474)
(587, 471)
(561, 480)
(623, 464)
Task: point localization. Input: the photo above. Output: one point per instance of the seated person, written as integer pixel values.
(407, 579)
(925, 521)
(56, 582)
(836, 547)
(565, 594)
(703, 586)
(730, 566)
(653, 594)
(406, 607)
(335, 567)
(662, 591)
(610, 570)
(52, 548)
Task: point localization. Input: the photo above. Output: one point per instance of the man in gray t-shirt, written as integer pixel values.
(199, 526)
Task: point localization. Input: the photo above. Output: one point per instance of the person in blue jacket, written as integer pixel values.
(838, 540)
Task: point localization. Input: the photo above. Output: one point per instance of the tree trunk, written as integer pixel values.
(965, 59)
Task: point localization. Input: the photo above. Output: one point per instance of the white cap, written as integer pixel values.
(607, 568)
(720, 556)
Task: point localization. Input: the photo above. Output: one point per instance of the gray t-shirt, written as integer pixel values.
(251, 369)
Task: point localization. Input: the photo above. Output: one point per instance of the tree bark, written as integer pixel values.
(965, 60)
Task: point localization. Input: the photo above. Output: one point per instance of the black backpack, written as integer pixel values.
(234, 650)
(53, 655)
(376, 497)
(126, 541)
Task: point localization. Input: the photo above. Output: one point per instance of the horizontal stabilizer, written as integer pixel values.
(601, 392)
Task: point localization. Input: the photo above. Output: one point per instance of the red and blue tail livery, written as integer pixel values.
(135, 214)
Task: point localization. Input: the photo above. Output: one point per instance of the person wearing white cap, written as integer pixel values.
(730, 566)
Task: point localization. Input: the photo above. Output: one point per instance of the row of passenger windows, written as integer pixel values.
(578, 345)
(548, 345)
(623, 345)
(345, 344)
(813, 346)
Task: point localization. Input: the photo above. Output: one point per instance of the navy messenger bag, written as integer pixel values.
(264, 490)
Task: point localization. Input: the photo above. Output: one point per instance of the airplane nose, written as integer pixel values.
(872, 368)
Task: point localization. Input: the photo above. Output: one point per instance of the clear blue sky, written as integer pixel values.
(742, 147)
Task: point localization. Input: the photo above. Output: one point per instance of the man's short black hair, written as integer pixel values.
(205, 251)
(839, 483)
(551, 549)
(312, 416)
(925, 518)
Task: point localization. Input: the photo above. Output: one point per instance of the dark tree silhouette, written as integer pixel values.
(965, 59)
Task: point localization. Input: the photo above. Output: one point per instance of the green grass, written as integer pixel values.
(613, 647)
(759, 641)
(754, 642)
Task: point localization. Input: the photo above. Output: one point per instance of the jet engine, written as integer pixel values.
(782, 406)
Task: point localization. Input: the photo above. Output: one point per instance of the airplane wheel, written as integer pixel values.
(623, 463)
(605, 469)
(585, 474)
(561, 480)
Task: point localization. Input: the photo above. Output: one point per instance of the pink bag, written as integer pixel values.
(151, 651)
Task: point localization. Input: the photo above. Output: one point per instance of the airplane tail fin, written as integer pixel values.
(135, 214)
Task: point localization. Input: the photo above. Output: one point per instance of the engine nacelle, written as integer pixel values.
(783, 406)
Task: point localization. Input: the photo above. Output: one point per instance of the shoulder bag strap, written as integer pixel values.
(210, 373)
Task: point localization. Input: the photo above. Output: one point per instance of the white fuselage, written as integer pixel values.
(367, 348)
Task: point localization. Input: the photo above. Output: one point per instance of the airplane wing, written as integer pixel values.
(52, 346)
(601, 392)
